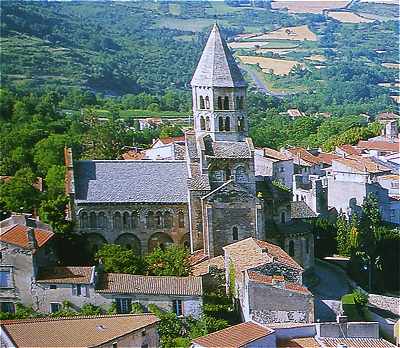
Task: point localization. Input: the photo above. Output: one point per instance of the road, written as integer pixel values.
(332, 286)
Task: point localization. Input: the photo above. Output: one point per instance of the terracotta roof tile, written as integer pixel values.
(153, 285)
(350, 149)
(234, 336)
(197, 257)
(66, 275)
(304, 156)
(18, 235)
(170, 140)
(274, 154)
(357, 342)
(75, 331)
(302, 342)
(204, 266)
(362, 164)
(379, 145)
(327, 158)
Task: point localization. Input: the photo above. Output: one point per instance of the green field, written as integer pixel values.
(143, 114)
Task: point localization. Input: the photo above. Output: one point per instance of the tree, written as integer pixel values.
(19, 193)
(118, 259)
(172, 261)
(55, 181)
(52, 211)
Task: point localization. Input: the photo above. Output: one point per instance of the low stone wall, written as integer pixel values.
(388, 303)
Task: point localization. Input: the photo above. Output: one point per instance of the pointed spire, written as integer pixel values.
(217, 67)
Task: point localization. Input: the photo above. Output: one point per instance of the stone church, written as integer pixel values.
(205, 201)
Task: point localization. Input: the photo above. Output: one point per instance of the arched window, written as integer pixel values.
(84, 220)
(291, 248)
(159, 219)
(228, 174)
(93, 220)
(307, 246)
(227, 123)
(240, 124)
(283, 217)
(150, 219)
(207, 124)
(202, 123)
(237, 102)
(126, 220)
(220, 124)
(181, 219)
(102, 220)
(235, 233)
(207, 102)
(135, 219)
(117, 220)
(219, 103)
(202, 102)
(167, 219)
(241, 103)
(241, 174)
(226, 103)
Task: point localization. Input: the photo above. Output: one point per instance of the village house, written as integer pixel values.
(305, 162)
(102, 331)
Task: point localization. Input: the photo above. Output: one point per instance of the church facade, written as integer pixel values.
(205, 201)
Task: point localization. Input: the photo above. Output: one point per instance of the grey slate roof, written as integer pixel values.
(131, 181)
(217, 67)
(300, 210)
(226, 149)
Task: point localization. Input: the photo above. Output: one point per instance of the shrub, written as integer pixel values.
(360, 298)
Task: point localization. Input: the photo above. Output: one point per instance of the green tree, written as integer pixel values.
(171, 261)
(52, 211)
(55, 181)
(118, 259)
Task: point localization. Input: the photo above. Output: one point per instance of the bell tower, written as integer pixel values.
(219, 93)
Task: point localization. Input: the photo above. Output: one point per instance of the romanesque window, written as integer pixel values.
(219, 103)
(167, 219)
(227, 123)
(291, 248)
(159, 219)
(135, 219)
(220, 124)
(150, 219)
(117, 221)
(235, 233)
(240, 124)
(237, 102)
(207, 102)
(93, 220)
(226, 103)
(241, 103)
(126, 220)
(241, 174)
(202, 105)
(228, 174)
(202, 123)
(207, 124)
(283, 217)
(102, 220)
(84, 220)
(181, 219)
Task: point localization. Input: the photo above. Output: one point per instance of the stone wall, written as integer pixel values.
(274, 268)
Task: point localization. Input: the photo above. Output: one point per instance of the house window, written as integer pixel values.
(124, 305)
(202, 123)
(79, 290)
(235, 233)
(53, 286)
(208, 126)
(93, 220)
(281, 169)
(117, 221)
(5, 278)
(167, 219)
(202, 102)
(135, 219)
(55, 307)
(7, 307)
(177, 307)
(291, 248)
(240, 174)
(220, 124)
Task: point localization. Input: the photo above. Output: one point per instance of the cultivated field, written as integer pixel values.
(316, 58)
(349, 17)
(299, 33)
(184, 24)
(391, 65)
(273, 44)
(308, 6)
(271, 65)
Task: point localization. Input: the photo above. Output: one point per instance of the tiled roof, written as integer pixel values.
(217, 67)
(151, 285)
(227, 149)
(89, 331)
(357, 342)
(327, 158)
(271, 153)
(302, 342)
(203, 267)
(18, 235)
(198, 181)
(250, 253)
(234, 336)
(350, 149)
(387, 116)
(66, 275)
(131, 181)
(197, 257)
(269, 280)
(362, 164)
(169, 140)
(379, 145)
(133, 155)
(306, 158)
(300, 210)
(179, 152)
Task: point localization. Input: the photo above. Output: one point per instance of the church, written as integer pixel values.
(204, 200)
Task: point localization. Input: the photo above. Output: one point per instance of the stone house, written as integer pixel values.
(275, 165)
(204, 198)
(103, 331)
(25, 246)
(267, 283)
(305, 162)
(87, 285)
(313, 192)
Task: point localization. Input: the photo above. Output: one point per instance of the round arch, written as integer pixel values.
(129, 241)
(159, 239)
(95, 241)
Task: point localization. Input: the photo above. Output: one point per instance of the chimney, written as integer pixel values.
(32, 242)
